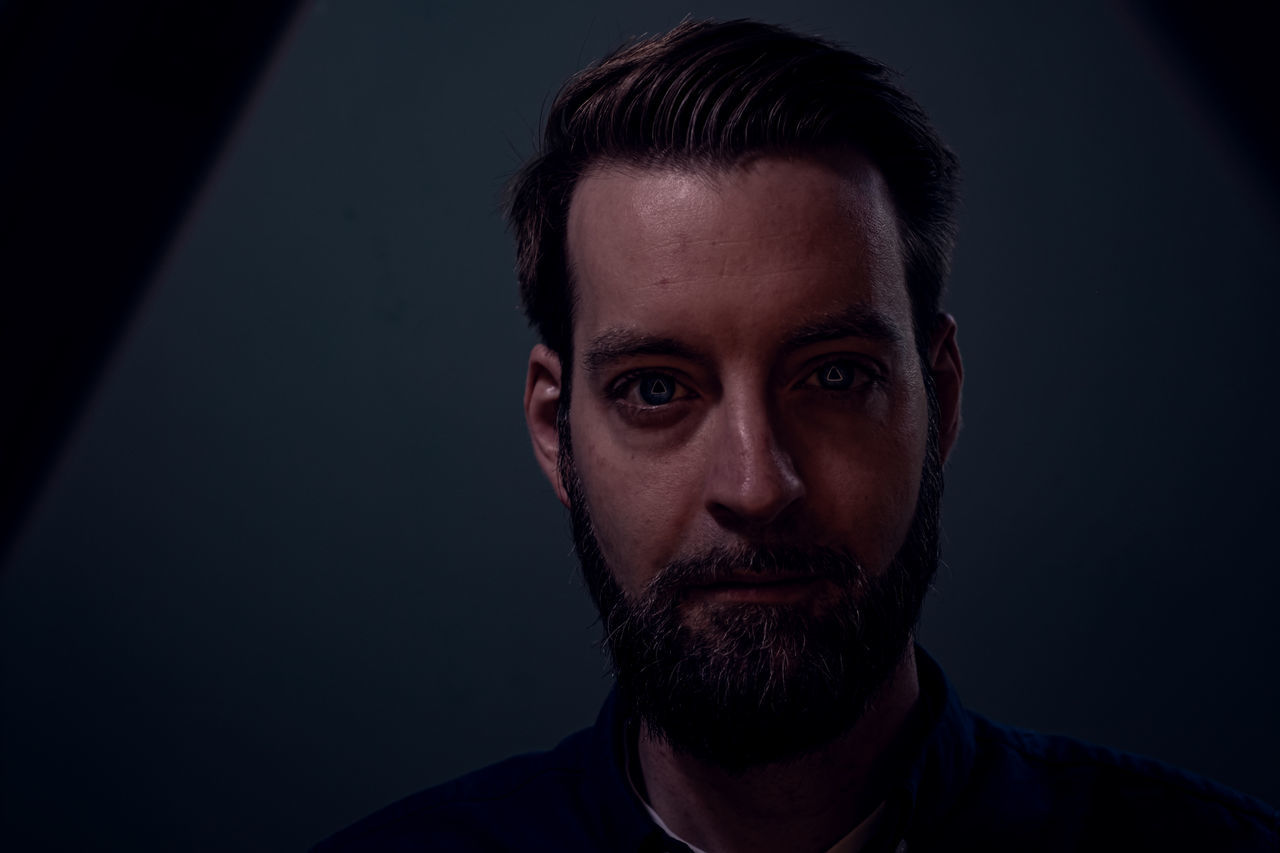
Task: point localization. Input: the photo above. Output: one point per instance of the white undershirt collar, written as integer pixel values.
(854, 841)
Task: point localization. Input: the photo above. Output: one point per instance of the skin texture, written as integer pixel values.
(734, 294)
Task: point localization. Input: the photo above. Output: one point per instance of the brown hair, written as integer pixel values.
(708, 94)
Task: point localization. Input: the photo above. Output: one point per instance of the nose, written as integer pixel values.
(751, 479)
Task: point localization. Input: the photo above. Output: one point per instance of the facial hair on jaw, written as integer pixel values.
(757, 684)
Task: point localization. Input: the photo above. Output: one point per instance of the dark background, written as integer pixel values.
(295, 559)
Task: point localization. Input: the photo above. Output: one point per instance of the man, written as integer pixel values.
(733, 245)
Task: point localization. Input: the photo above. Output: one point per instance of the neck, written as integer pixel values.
(804, 805)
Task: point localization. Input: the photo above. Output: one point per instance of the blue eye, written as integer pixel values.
(649, 392)
(656, 389)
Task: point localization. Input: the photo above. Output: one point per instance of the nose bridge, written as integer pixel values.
(752, 475)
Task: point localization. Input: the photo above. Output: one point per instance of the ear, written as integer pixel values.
(541, 407)
(948, 377)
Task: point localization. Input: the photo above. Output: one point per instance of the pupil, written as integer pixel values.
(656, 390)
(835, 376)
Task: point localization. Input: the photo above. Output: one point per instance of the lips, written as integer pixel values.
(759, 588)
(759, 580)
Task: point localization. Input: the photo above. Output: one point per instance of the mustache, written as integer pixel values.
(723, 564)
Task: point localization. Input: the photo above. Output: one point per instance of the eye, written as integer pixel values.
(840, 375)
(648, 389)
(656, 389)
(835, 375)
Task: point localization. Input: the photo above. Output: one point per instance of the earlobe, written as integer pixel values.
(948, 379)
(541, 409)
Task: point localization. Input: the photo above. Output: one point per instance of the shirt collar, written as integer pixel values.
(943, 758)
(623, 823)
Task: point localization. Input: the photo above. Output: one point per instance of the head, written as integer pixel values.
(733, 244)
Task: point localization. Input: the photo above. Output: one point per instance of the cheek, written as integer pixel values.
(640, 503)
(862, 480)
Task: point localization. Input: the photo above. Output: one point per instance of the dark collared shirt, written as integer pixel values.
(969, 784)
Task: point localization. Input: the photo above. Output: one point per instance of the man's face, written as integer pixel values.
(750, 431)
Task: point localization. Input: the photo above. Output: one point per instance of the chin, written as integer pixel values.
(742, 685)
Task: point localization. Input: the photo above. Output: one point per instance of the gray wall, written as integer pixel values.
(297, 560)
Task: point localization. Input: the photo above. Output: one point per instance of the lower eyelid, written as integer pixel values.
(642, 416)
(862, 381)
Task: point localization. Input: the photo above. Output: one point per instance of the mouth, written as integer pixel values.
(760, 588)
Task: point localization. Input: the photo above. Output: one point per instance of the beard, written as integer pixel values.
(747, 684)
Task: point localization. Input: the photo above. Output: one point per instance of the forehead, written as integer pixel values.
(740, 254)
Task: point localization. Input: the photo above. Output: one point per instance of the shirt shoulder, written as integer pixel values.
(1075, 795)
(491, 808)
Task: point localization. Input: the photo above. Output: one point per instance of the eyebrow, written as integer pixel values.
(615, 345)
(857, 321)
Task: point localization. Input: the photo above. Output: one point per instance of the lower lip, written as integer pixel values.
(770, 593)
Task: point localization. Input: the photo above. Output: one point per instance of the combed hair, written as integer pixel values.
(708, 95)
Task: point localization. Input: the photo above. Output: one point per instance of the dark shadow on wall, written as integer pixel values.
(1224, 54)
(113, 115)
